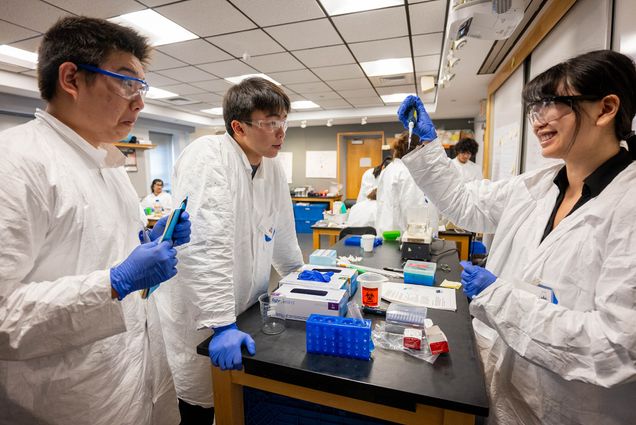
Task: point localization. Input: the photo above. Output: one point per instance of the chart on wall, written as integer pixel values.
(506, 140)
(321, 164)
(286, 160)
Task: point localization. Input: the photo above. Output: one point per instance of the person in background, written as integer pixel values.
(77, 344)
(243, 224)
(465, 150)
(363, 213)
(556, 307)
(370, 179)
(397, 191)
(157, 196)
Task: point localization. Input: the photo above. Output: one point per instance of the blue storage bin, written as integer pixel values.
(312, 212)
(304, 226)
(339, 336)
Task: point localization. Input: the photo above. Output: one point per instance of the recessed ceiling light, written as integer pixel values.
(158, 29)
(213, 111)
(338, 7)
(239, 78)
(329, 122)
(303, 124)
(387, 67)
(19, 57)
(395, 97)
(155, 93)
(304, 104)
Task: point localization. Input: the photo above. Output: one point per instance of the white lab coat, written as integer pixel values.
(569, 363)
(368, 183)
(69, 353)
(164, 199)
(469, 171)
(397, 192)
(240, 228)
(362, 214)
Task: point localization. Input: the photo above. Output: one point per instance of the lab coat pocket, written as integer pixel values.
(264, 247)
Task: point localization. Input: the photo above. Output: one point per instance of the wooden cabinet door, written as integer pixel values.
(369, 152)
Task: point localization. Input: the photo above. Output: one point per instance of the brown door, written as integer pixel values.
(361, 157)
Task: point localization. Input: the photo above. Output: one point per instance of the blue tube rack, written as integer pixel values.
(339, 336)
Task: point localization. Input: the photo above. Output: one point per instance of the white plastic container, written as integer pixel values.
(366, 242)
(371, 288)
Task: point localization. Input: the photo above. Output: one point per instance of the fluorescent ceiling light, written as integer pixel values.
(155, 93)
(238, 79)
(387, 67)
(158, 29)
(304, 104)
(213, 111)
(395, 97)
(18, 57)
(338, 7)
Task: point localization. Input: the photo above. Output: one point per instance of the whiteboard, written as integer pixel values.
(624, 37)
(286, 160)
(321, 164)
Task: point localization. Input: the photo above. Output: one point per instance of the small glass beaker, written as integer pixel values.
(273, 320)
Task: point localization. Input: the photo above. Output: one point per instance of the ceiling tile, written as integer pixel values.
(325, 56)
(206, 17)
(293, 96)
(10, 33)
(339, 72)
(293, 77)
(279, 11)
(31, 73)
(213, 85)
(275, 62)
(410, 88)
(373, 25)
(357, 93)
(335, 104)
(427, 63)
(12, 68)
(212, 98)
(160, 61)
(186, 74)
(195, 107)
(427, 17)
(382, 49)
(98, 9)
(154, 3)
(319, 97)
(306, 88)
(158, 80)
(428, 97)
(195, 52)
(31, 45)
(230, 68)
(428, 44)
(253, 42)
(365, 102)
(350, 84)
(183, 89)
(33, 14)
(303, 35)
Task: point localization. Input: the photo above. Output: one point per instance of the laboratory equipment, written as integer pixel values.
(342, 278)
(416, 240)
(419, 272)
(367, 242)
(339, 336)
(371, 287)
(272, 315)
(298, 302)
(323, 257)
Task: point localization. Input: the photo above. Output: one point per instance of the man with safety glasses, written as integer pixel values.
(243, 224)
(77, 344)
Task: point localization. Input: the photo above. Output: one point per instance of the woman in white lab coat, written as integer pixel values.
(157, 196)
(363, 213)
(556, 306)
(370, 179)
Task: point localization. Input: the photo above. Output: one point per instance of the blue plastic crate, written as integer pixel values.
(304, 226)
(312, 212)
(339, 336)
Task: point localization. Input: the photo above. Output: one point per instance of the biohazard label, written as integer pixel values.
(370, 297)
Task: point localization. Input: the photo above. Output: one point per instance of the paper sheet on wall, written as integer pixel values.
(286, 160)
(365, 162)
(321, 164)
(418, 295)
(506, 152)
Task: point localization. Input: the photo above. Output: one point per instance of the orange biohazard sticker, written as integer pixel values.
(370, 297)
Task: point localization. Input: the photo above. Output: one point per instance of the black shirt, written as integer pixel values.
(254, 170)
(593, 184)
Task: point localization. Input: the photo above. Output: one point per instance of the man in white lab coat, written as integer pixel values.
(77, 344)
(465, 150)
(243, 224)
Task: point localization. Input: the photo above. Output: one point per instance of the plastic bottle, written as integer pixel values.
(157, 207)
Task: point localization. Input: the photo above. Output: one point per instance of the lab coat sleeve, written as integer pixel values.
(206, 263)
(45, 317)
(597, 346)
(476, 205)
(287, 256)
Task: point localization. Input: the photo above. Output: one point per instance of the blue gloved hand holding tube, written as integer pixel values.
(423, 127)
(475, 279)
(146, 266)
(181, 233)
(225, 347)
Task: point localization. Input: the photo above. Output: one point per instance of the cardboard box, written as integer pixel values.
(412, 338)
(323, 257)
(436, 340)
(343, 278)
(298, 302)
(419, 272)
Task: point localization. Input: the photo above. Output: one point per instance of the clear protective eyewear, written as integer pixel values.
(269, 126)
(131, 86)
(552, 108)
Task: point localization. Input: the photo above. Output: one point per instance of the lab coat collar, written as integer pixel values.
(106, 156)
(246, 162)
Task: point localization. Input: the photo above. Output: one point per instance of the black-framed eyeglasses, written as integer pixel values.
(554, 107)
(131, 86)
(269, 126)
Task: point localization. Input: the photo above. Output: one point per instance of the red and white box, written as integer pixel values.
(437, 341)
(413, 338)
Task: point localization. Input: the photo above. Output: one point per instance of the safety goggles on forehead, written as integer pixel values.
(269, 126)
(131, 86)
(554, 107)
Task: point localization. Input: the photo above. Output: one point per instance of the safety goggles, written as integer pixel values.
(553, 108)
(269, 126)
(130, 86)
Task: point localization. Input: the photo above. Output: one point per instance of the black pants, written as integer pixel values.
(195, 415)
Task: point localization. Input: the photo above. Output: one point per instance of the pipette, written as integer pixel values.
(412, 118)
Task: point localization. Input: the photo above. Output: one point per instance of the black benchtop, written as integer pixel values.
(455, 381)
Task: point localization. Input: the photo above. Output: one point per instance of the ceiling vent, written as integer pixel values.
(392, 80)
(179, 101)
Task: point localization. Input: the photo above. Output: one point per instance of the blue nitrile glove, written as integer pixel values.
(475, 279)
(315, 276)
(148, 265)
(181, 232)
(225, 347)
(424, 127)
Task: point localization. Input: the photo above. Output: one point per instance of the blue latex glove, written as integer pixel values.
(181, 233)
(424, 127)
(225, 347)
(148, 265)
(315, 276)
(475, 279)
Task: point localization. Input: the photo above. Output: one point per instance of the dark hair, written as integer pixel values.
(373, 194)
(154, 182)
(401, 144)
(598, 73)
(467, 145)
(79, 39)
(378, 169)
(253, 94)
